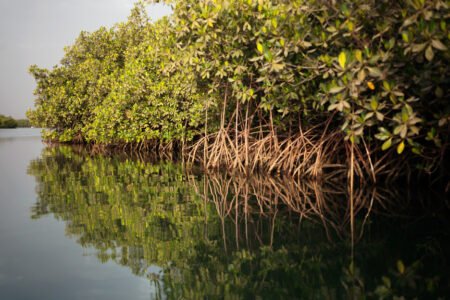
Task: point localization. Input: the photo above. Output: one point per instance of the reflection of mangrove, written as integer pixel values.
(327, 203)
(217, 236)
(130, 211)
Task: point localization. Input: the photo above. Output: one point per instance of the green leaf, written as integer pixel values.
(274, 23)
(400, 147)
(439, 92)
(351, 268)
(268, 55)
(405, 37)
(386, 145)
(416, 151)
(374, 104)
(342, 59)
(375, 72)
(386, 281)
(336, 89)
(405, 115)
(400, 267)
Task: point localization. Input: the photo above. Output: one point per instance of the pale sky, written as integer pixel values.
(36, 31)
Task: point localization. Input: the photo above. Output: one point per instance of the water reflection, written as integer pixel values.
(216, 236)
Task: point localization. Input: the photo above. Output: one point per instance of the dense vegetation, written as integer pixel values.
(9, 122)
(302, 87)
(193, 240)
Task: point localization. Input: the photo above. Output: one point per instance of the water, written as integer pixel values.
(80, 226)
(37, 258)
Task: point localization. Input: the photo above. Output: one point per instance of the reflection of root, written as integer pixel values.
(244, 200)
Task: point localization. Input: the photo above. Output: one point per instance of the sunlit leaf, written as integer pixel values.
(342, 59)
(400, 147)
(438, 45)
(386, 145)
(358, 55)
(336, 89)
(260, 47)
(418, 47)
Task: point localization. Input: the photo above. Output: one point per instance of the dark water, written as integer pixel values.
(77, 226)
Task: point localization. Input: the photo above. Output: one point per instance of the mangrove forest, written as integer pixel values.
(233, 149)
(306, 88)
(303, 88)
(9, 122)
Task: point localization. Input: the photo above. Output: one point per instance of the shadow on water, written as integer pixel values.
(221, 236)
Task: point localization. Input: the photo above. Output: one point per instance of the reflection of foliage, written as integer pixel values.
(131, 211)
(267, 273)
(404, 279)
(220, 238)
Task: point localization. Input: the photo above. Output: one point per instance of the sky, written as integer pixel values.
(36, 31)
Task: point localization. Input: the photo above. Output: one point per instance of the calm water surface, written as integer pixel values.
(38, 260)
(78, 226)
